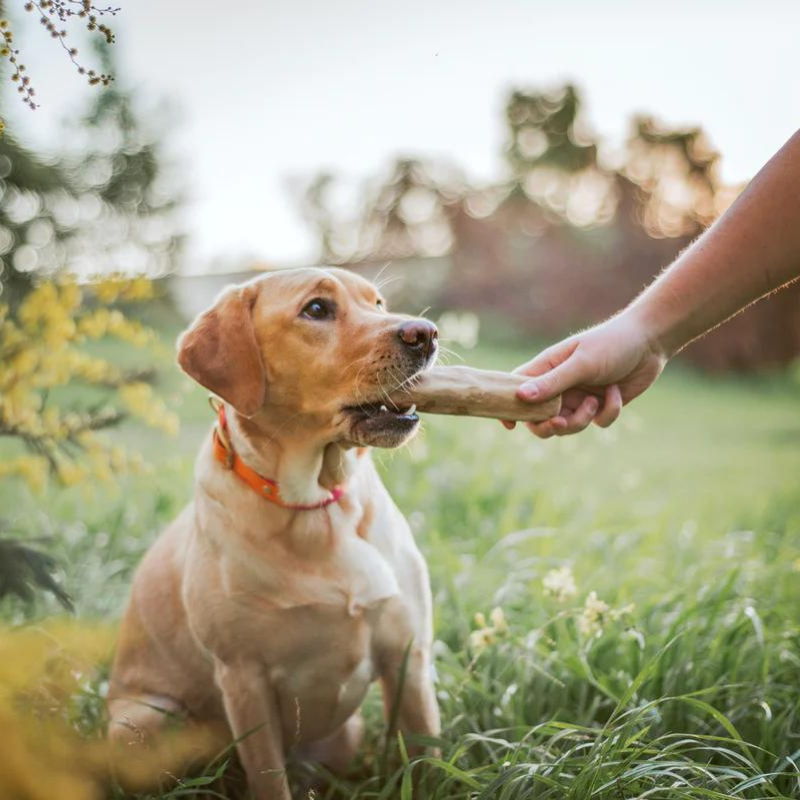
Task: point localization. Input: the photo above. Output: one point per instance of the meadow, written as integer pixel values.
(647, 642)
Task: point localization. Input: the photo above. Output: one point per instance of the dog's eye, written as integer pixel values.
(318, 309)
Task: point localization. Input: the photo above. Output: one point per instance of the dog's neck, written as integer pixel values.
(305, 465)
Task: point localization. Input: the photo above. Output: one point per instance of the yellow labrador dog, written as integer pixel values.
(291, 581)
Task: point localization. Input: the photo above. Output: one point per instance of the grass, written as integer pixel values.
(688, 510)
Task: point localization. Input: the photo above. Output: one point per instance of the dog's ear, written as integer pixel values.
(220, 351)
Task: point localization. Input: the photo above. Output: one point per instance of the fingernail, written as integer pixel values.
(528, 391)
(593, 405)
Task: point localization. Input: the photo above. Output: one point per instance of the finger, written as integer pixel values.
(579, 420)
(548, 428)
(508, 425)
(548, 359)
(571, 372)
(612, 405)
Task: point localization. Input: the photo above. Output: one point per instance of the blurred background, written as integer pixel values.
(530, 162)
(516, 170)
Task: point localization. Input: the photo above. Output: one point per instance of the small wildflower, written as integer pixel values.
(559, 584)
(620, 613)
(488, 633)
(498, 619)
(594, 616)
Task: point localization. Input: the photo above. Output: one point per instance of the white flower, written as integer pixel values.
(498, 619)
(594, 615)
(560, 584)
(488, 632)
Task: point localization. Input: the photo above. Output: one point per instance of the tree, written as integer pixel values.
(106, 205)
(38, 213)
(402, 213)
(676, 171)
(118, 164)
(545, 129)
(57, 17)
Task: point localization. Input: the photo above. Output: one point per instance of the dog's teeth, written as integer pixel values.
(412, 409)
(383, 408)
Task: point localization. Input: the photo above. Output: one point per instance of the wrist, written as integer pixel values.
(659, 330)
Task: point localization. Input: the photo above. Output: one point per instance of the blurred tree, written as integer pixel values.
(38, 208)
(405, 214)
(546, 129)
(401, 213)
(121, 173)
(107, 205)
(677, 173)
(103, 207)
(315, 207)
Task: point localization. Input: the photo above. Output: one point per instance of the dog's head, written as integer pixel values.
(314, 346)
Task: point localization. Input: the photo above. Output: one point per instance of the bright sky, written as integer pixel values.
(269, 91)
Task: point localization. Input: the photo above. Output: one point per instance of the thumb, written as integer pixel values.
(542, 387)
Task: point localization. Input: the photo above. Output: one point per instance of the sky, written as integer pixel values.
(265, 93)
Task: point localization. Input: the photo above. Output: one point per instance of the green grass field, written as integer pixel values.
(684, 517)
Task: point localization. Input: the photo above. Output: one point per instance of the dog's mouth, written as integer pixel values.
(381, 423)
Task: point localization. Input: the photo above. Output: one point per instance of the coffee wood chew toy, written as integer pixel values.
(464, 391)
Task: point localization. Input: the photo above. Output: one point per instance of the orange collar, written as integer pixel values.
(266, 488)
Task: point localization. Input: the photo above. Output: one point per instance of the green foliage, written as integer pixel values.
(31, 223)
(24, 569)
(106, 201)
(544, 130)
(121, 163)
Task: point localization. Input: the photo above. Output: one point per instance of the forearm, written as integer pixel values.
(753, 249)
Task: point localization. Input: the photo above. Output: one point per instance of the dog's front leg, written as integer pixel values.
(252, 711)
(408, 693)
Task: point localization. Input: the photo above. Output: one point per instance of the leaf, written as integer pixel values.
(24, 569)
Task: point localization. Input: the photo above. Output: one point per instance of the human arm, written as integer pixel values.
(752, 250)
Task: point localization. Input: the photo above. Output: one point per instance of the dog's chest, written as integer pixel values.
(323, 668)
(318, 619)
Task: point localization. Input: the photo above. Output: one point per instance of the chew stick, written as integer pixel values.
(464, 391)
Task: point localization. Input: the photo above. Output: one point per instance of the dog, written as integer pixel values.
(291, 581)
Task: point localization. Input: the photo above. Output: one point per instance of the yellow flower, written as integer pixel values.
(140, 400)
(32, 469)
(41, 349)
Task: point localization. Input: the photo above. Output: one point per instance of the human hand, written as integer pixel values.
(596, 372)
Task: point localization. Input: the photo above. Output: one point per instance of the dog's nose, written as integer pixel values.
(419, 334)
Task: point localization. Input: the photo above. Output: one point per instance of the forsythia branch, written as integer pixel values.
(43, 349)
